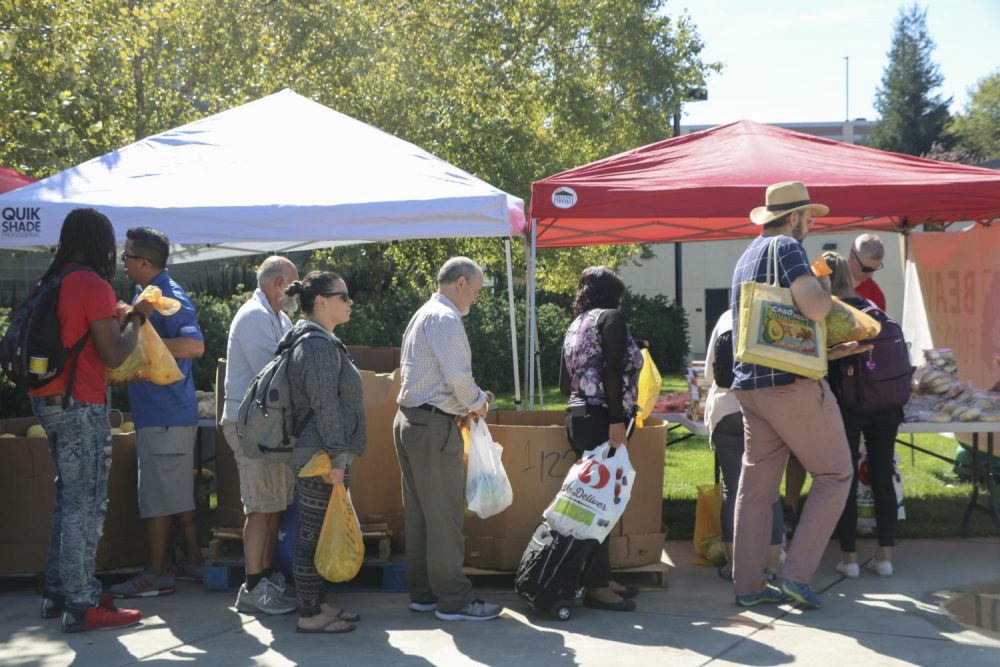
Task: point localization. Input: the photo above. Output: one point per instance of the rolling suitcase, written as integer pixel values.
(549, 574)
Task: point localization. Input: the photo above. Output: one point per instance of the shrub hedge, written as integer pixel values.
(383, 322)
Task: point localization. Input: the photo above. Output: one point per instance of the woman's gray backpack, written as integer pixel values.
(265, 424)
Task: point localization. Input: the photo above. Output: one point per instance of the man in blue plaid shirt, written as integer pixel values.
(785, 412)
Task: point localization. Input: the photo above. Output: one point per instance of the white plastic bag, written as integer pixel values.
(487, 489)
(593, 495)
(866, 499)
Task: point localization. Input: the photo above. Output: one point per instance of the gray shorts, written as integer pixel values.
(166, 469)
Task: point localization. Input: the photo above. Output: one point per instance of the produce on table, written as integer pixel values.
(36, 431)
(940, 397)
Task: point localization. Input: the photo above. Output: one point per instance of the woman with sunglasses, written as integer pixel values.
(328, 411)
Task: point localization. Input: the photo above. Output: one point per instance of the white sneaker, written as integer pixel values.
(849, 570)
(264, 597)
(882, 568)
(477, 610)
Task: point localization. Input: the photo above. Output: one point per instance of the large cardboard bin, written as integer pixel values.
(537, 457)
(376, 485)
(27, 494)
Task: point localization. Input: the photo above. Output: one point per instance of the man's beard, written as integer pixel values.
(290, 305)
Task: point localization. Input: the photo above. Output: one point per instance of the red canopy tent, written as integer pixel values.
(701, 186)
(12, 180)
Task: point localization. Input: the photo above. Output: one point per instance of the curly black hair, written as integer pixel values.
(599, 287)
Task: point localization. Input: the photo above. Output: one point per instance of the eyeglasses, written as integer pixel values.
(866, 269)
(126, 256)
(344, 296)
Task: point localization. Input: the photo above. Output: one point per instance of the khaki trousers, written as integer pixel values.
(802, 417)
(429, 448)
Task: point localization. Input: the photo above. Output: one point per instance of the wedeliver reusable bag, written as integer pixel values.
(772, 331)
(594, 494)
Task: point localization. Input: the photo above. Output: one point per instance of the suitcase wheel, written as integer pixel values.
(562, 610)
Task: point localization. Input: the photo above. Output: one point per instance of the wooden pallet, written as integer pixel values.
(225, 538)
(378, 541)
(659, 570)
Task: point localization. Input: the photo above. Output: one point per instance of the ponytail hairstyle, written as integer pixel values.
(86, 235)
(315, 283)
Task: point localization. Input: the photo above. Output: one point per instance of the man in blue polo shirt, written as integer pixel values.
(784, 412)
(166, 422)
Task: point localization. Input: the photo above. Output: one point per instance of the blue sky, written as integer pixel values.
(784, 59)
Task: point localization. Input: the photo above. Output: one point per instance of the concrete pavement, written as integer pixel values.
(868, 621)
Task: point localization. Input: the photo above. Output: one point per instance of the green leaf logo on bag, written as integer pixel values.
(783, 327)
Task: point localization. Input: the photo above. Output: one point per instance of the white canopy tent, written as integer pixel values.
(278, 174)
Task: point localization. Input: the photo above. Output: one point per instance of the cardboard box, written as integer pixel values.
(504, 553)
(376, 484)
(376, 481)
(636, 550)
(27, 482)
(537, 458)
(375, 359)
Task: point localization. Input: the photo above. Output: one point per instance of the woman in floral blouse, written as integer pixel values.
(602, 363)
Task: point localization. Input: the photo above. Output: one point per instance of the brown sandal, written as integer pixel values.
(335, 627)
(342, 614)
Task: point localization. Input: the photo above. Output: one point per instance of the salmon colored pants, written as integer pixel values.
(803, 418)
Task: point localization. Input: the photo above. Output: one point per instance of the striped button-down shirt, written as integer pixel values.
(436, 361)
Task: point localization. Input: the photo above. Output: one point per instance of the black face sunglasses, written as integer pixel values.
(866, 269)
(126, 256)
(344, 296)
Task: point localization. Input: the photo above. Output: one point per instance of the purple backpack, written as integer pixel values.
(880, 378)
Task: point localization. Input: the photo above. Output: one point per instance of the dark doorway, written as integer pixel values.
(716, 303)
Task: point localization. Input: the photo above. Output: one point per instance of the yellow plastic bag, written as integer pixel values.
(649, 387)
(845, 323)
(150, 360)
(708, 546)
(341, 549)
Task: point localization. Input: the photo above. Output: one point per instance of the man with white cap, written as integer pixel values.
(784, 412)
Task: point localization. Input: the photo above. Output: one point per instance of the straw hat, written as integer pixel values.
(783, 198)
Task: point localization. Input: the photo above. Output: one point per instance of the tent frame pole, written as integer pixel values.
(532, 328)
(513, 325)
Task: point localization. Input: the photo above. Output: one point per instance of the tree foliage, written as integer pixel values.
(912, 116)
(509, 90)
(977, 129)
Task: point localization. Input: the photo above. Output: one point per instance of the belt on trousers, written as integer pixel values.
(433, 409)
(54, 399)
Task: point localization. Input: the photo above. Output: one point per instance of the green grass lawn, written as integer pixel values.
(935, 498)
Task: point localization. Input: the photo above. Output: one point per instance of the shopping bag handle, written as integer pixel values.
(772, 262)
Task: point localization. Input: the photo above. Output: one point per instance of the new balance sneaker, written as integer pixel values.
(265, 597)
(284, 588)
(54, 605)
(99, 618)
(477, 610)
(145, 585)
(188, 571)
(767, 595)
(801, 593)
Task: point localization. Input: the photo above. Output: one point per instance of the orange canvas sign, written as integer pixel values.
(960, 281)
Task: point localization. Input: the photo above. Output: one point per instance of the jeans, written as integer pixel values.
(80, 443)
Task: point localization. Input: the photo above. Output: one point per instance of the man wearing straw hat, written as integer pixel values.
(784, 412)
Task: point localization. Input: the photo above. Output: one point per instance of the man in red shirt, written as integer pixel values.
(864, 260)
(76, 420)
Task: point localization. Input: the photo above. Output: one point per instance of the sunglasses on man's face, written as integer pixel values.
(126, 256)
(866, 269)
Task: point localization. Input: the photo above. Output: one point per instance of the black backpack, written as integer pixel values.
(31, 351)
(880, 378)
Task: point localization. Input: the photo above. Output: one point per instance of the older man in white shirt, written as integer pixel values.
(437, 391)
(266, 488)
